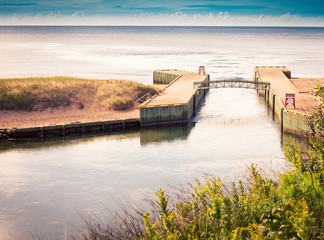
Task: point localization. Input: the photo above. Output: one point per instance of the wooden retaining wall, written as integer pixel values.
(290, 121)
(69, 129)
(164, 76)
(173, 113)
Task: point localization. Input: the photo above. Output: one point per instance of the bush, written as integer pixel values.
(120, 103)
(262, 209)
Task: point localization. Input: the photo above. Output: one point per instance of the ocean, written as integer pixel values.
(134, 52)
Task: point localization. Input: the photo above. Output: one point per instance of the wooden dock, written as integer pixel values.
(292, 119)
(282, 83)
(177, 103)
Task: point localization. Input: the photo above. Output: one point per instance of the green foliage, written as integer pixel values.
(264, 210)
(290, 208)
(320, 92)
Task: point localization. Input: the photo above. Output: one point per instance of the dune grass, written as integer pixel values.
(37, 94)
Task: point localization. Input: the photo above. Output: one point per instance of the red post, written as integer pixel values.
(201, 70)
(290, 98)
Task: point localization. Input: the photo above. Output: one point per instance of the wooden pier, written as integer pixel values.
(292, 118)
(177, 103)
(179, 99)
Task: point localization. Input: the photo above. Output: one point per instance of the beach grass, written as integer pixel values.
(38, 94)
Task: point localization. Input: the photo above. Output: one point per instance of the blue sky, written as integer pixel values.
(297, 10)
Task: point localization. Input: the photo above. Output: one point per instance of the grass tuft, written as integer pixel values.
(38, 94)
(120, 103)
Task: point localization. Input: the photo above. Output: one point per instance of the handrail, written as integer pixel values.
(142, 99)
(232, 84)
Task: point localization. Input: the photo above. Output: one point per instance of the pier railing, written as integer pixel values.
(142, 99)
(232, 84)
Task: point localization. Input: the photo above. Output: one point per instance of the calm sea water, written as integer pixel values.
(44, 185)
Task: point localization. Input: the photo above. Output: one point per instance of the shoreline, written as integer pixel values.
(63, 121)
(61, 116)
(33, 103)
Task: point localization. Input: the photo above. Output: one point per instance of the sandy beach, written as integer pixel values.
(22, 119)
(38, 102)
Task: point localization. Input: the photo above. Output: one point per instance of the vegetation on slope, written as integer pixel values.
(291, 207)
(37, 94)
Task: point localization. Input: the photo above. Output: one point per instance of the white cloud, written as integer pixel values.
(176, 19)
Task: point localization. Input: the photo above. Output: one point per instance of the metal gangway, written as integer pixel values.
(232, 84)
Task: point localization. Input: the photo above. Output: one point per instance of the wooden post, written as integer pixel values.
(41, 132)
(265, 95)
(194, 104)
(273, 106)
(281, 120)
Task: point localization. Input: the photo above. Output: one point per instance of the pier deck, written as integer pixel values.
(180, 91)
(282, 83)
(292, 120)
(176, 103)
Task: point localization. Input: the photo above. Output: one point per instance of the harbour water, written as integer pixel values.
(45, 185)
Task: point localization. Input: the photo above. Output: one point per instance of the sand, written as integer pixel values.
(22, 119)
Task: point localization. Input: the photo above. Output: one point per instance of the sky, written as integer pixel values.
(163, 12)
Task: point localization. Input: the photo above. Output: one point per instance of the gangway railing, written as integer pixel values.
(142, 99)
(232, 84)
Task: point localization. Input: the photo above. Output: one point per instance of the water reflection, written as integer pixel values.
(160, 134)
(147, 135)
(69, 140)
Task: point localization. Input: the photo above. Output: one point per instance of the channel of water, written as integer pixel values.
(47, 183)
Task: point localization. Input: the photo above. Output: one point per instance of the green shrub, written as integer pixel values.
(263, 210)
(290, 207)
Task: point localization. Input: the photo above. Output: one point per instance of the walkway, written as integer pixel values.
(180, 91)
(177, 102)
(282, 83)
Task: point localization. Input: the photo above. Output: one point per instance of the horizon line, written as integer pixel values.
(221, 19)
(140, 25)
